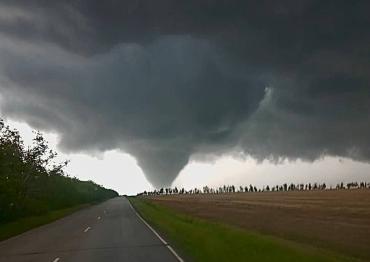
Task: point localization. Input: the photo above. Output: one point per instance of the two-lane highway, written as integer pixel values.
(110, 231)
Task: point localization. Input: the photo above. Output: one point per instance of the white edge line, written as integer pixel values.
(155, 233)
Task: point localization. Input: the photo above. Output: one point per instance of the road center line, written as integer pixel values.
(87, 229)
(56, 260)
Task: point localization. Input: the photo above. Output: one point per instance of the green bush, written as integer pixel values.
(31, 183)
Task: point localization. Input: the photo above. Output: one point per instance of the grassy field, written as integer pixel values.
(201, 240)
(24, 224)
(337, 220)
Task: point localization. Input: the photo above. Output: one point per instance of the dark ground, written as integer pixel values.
(107, 232)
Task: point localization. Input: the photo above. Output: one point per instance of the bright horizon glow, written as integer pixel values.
(231, 171)
(112, 169)
(119, 171)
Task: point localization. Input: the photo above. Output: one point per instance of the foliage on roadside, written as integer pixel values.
(21, 225)
(33, 183)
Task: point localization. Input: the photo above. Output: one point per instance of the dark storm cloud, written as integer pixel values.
(165, 81)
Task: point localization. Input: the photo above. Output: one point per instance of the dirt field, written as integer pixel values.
(338, 220)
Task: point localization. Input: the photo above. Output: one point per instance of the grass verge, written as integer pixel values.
(201, 240)
(24, 224)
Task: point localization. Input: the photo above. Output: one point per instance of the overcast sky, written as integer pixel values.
(166, 92)
(119, 171)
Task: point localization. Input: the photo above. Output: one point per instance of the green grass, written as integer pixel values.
(201, 240)
(24, 224)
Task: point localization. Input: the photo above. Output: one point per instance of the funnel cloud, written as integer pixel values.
(167, 82)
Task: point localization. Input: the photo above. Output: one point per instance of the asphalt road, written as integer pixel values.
(110, 231)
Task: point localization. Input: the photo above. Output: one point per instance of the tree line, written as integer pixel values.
(33, 183)
(251, 188)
